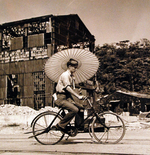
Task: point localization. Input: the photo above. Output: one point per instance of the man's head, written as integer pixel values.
(72, 62)
(72, 65)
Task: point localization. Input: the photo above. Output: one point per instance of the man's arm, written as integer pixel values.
(74, 93)
(67, 84)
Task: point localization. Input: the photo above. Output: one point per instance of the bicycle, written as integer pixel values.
(104, 127)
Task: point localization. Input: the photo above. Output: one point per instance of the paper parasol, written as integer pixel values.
(57, 64)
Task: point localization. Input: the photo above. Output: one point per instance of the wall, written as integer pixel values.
(24, 70)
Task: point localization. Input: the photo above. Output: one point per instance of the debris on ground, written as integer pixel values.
(10, 109)
(15, 119)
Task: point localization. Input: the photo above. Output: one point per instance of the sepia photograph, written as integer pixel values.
(74, 77)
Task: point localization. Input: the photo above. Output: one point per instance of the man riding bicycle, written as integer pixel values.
(64, 90)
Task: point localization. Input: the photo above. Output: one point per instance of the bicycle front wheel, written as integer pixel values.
(108, 128)
(43, 131)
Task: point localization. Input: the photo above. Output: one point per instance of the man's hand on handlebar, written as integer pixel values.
(81, 97)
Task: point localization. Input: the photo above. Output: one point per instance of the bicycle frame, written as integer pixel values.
(92, 113)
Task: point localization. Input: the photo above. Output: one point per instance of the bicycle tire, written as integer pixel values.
(90, 133)
(110, 130)
(90, 129)
(41, 123)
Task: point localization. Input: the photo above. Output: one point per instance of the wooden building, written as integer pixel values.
(25, 46)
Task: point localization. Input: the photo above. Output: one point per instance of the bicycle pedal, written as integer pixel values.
(72, 131)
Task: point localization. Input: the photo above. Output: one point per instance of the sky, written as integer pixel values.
(109, 21)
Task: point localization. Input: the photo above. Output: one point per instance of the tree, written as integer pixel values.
(125, 65)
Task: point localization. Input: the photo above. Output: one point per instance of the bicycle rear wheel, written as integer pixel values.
(110, 128)
(43, 134)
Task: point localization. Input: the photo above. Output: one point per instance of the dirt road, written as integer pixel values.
(14, 121)
(135, 142)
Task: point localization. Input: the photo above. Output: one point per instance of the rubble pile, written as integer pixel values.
(138, 125)
(140, 121)
(10, 109)
(17, 119)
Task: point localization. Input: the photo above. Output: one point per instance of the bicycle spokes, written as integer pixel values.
(112, 128)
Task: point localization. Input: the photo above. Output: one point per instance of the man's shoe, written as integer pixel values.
(61, 129)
